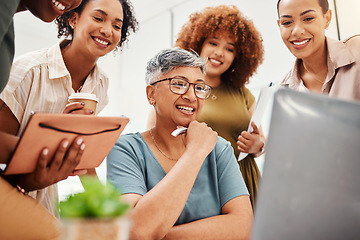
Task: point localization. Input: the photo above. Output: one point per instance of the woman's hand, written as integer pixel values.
(200, 137)
(52, 169)
(77, 108)
(251, 142)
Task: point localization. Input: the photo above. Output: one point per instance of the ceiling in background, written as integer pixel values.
(147, 9)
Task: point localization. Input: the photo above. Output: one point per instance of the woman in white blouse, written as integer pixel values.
(42, 81)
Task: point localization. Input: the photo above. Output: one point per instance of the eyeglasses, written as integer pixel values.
(181, 86)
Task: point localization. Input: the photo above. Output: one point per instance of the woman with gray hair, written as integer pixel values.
(186, 186)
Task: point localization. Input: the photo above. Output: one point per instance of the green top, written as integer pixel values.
(226, 112)
(7, 11)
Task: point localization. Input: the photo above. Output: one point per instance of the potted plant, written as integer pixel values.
(96, 213)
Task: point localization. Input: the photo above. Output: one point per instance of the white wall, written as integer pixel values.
(157, 31)
(348, 17)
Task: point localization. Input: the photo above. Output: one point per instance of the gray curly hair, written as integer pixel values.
(169, 59)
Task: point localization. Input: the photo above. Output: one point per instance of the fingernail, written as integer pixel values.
(65, 144)
(91, 111)
(45, 151)
(82, 147)
(79, 141)
(82, 103)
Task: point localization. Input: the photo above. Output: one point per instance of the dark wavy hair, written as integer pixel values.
(226, 20)
(324, 4)
(129, 21)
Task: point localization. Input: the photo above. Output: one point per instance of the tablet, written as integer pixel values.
(262, 106)
(48, 129)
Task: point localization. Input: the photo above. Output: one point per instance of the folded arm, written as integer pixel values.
(234, 222)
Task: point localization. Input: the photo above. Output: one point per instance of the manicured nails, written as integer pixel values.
(65, 144)
(79, 141)
(45, 152)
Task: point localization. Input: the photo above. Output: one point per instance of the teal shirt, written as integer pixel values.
(132, 167)
(7, 11)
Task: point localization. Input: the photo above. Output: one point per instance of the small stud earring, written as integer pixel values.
(152, 102)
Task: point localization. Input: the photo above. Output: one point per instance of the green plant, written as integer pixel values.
(97, 201)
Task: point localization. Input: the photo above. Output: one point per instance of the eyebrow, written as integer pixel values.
(186, 79)
(301, 14)
(232, 44)
(104, 13)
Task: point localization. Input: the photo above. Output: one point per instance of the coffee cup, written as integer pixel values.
(89, 99)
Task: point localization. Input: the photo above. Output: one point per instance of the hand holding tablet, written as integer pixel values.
(48, 130)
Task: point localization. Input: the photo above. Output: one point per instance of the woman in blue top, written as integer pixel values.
(186, 186)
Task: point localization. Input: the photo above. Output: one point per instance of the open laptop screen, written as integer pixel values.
(311, 179)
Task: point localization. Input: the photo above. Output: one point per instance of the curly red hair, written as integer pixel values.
(226, 20)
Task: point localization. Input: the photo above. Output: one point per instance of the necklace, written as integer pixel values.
(173, 159)
(313, 75)
(79, 89)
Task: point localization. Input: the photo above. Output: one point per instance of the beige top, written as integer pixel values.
(40, 82)
(343, 78)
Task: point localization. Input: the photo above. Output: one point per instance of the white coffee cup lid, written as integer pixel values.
(89, 96)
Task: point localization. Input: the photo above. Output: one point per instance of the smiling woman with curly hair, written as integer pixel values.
(233, 49)
(226, 20)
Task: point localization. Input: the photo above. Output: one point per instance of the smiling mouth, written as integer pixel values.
(212, 60)
(102, 42)
(300, 43)
(58, 5)
(185, 109)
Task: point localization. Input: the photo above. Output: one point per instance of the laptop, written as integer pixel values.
(310, 187)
